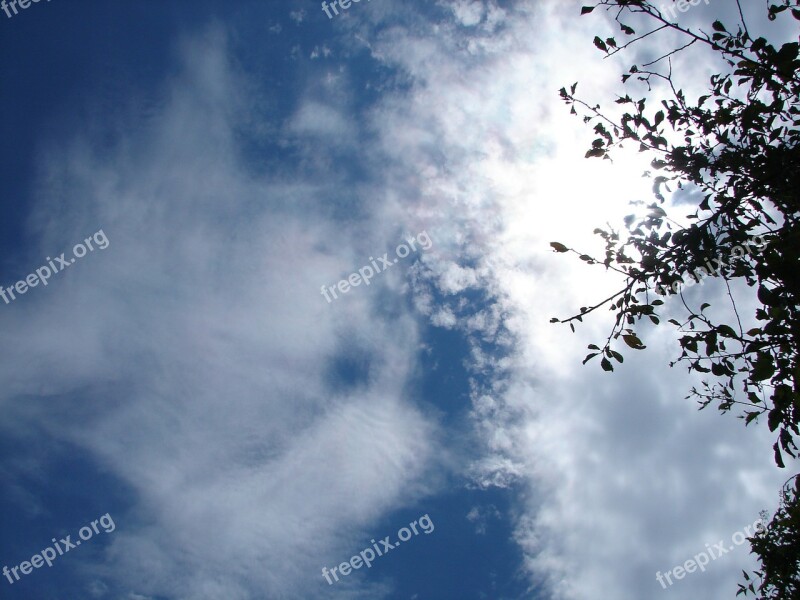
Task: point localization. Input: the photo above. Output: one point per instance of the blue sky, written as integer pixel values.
(191, 381)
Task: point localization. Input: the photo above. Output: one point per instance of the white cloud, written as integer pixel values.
(623, 477)
(317, 119)
(468, 12)
(481, 516)
(197, 353)
(204, 321)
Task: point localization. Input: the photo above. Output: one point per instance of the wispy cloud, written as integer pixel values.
(199, 361)
(188, 354)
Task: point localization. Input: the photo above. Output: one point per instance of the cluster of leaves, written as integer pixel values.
(737, 149)
(776, 545)
(741, 152)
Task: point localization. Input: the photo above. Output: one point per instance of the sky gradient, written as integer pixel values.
(191, 381)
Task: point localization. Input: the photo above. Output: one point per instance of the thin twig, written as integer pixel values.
(741, 14)
(669, 54)
(633, 41)
(596, 306)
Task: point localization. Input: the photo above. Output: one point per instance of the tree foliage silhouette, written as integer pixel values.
(737, 150)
